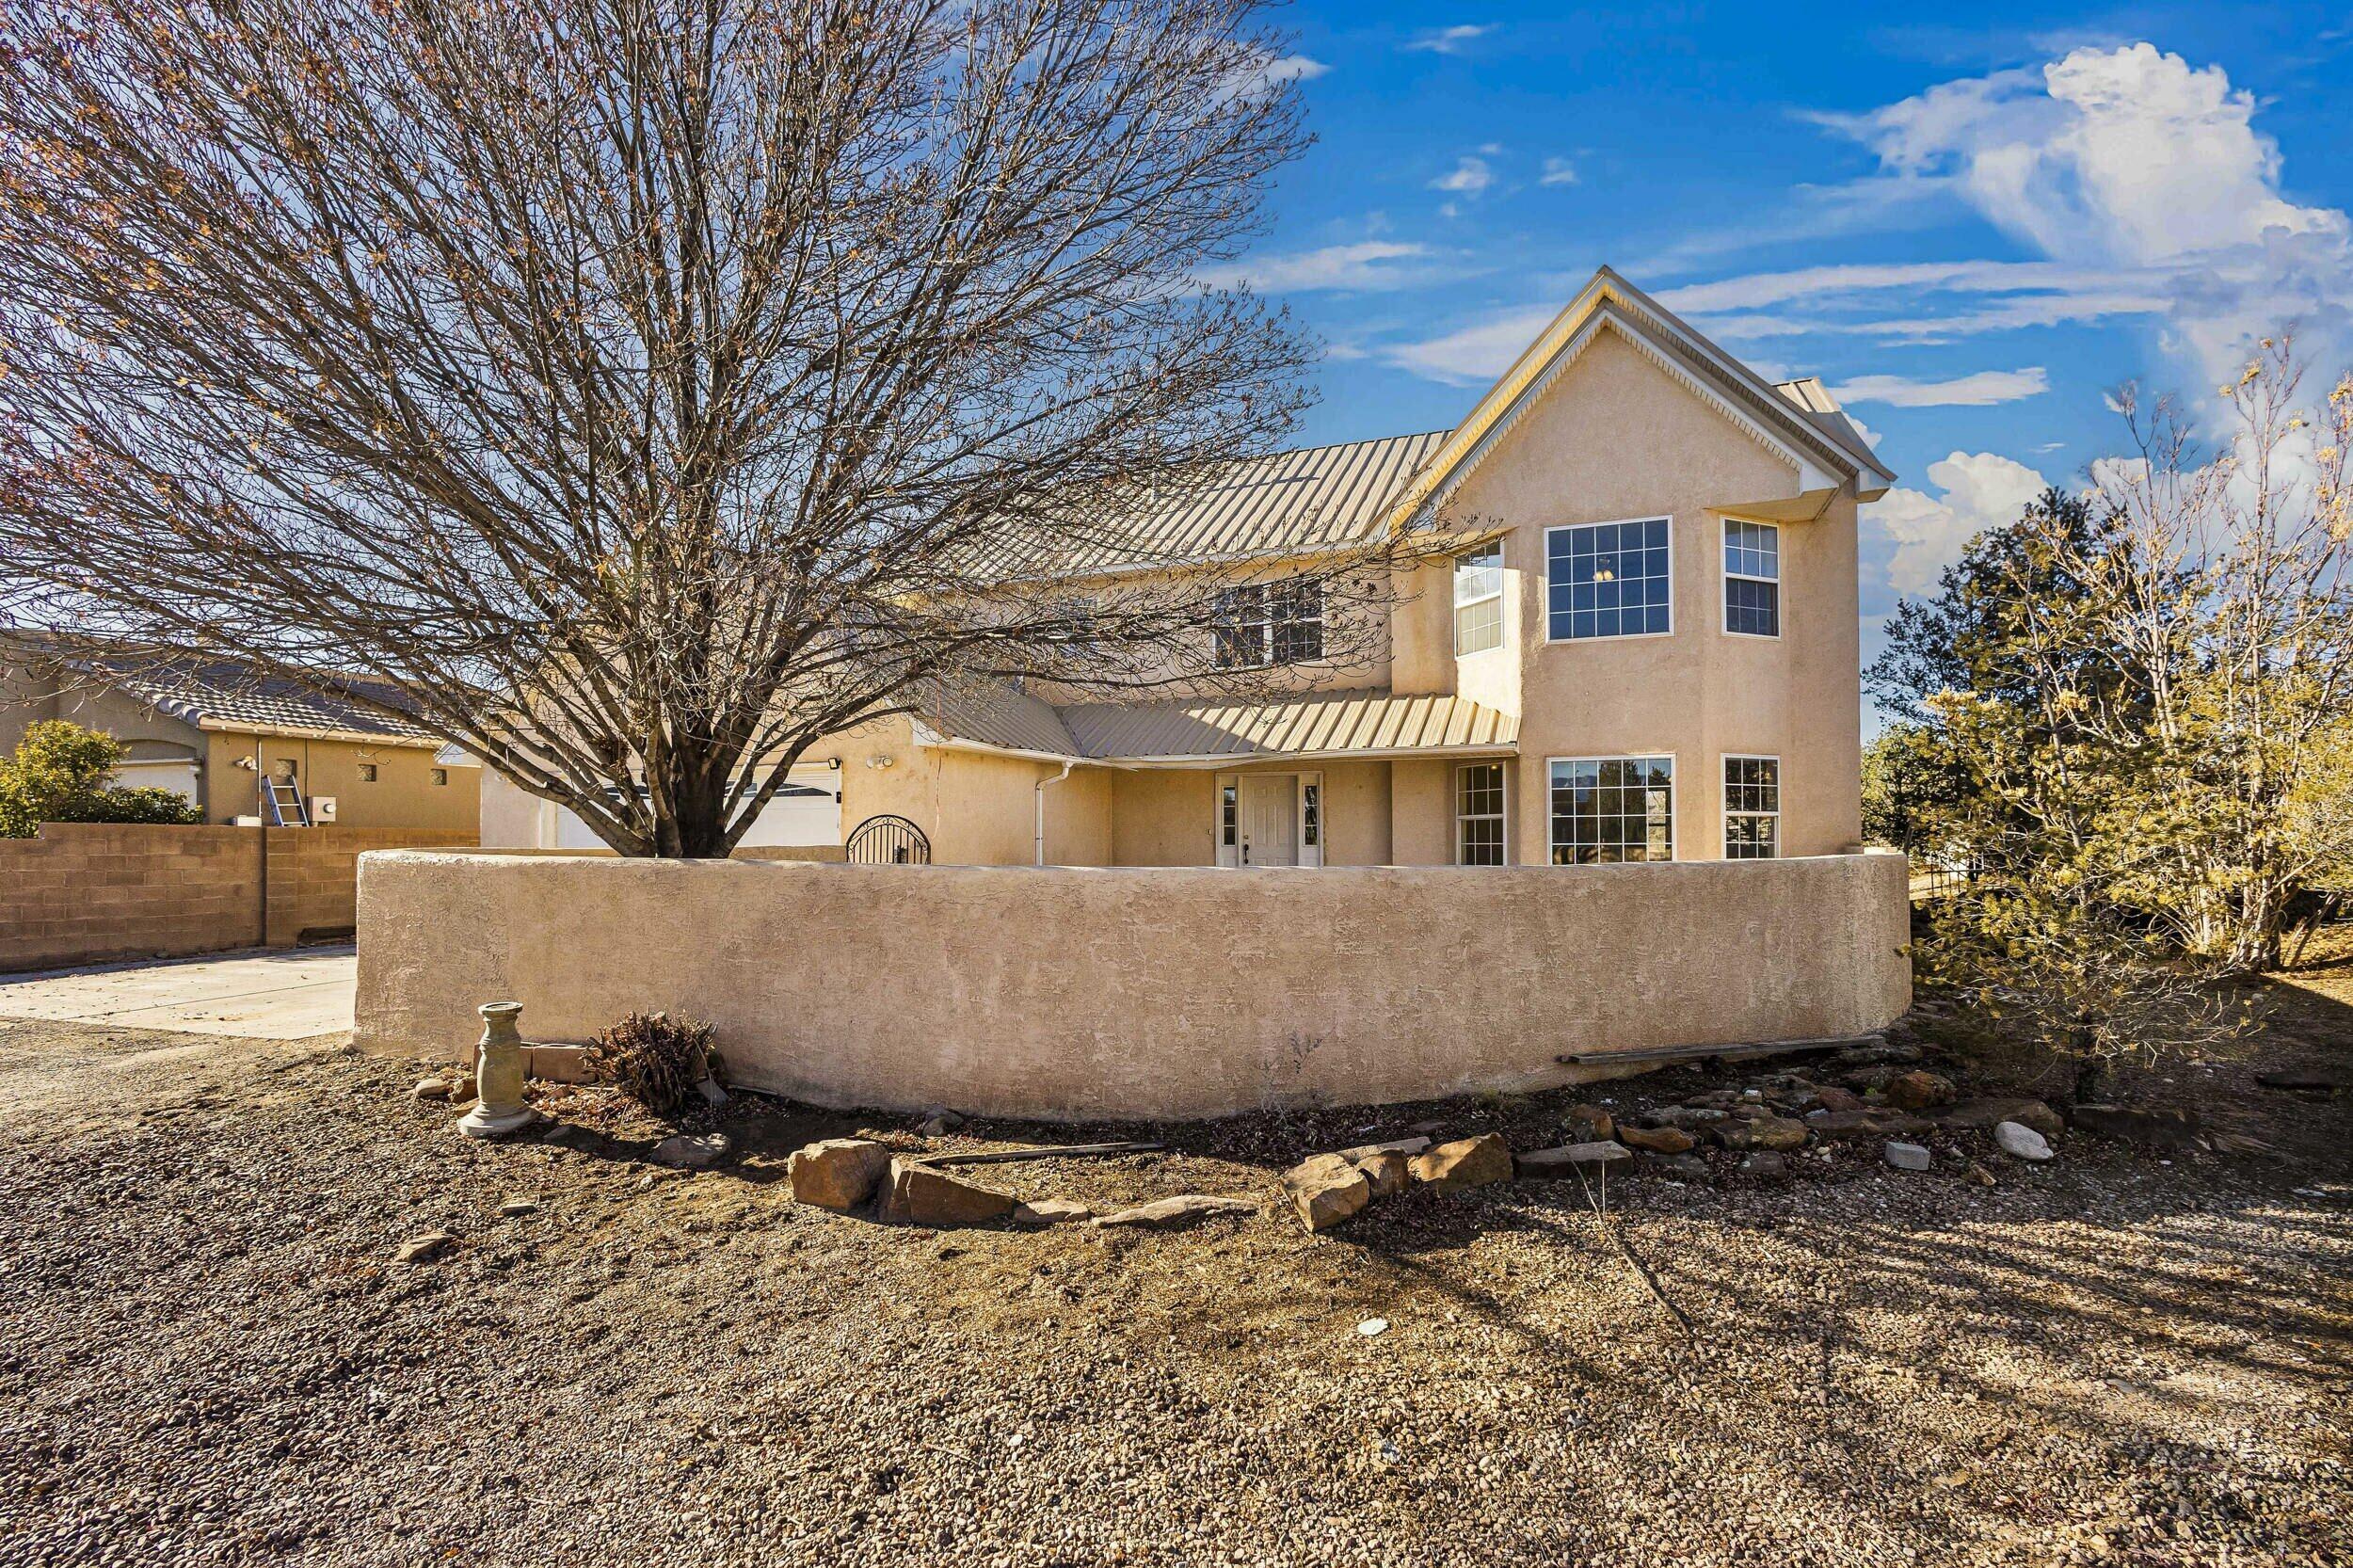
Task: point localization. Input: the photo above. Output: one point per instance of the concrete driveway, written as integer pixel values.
(259, 996)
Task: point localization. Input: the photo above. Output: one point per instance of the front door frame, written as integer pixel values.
(1311, 808)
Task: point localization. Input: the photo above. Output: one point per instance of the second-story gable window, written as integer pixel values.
(1478, 601)
(1751, 577)
(1608, 580)
(1261, 623)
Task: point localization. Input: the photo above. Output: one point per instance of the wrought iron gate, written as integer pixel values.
(888, 841)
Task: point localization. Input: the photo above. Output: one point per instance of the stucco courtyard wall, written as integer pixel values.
(1145, 992)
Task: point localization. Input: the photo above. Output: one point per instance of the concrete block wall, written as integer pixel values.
(89, 892)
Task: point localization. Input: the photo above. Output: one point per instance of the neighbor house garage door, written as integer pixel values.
(807, 810)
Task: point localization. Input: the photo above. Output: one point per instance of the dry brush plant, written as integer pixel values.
(656, 1059)
(641, 388)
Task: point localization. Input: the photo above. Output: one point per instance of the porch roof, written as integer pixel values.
(1220, 730)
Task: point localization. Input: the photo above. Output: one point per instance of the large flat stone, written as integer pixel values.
(921, 1195)
(838, 1173)
(1570, 1158)
(1465, 1163)
(1326, 1190)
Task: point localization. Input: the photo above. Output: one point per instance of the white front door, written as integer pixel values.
(1270, 819)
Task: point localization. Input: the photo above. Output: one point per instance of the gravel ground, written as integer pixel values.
(208, 1353)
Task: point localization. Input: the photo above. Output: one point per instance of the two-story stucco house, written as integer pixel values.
(1645, 650)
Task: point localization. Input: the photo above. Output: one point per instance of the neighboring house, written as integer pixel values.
(1645, 648)
(213, 729)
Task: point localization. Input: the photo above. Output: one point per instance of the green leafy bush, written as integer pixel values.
(61, 772)
(654, 1059)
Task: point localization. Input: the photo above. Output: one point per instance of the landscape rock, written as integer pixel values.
(1919, 1091)
(1874, 1053)
(1908, 1157)
(1690, 1167)
(2149, 1130)
(425, 1248)
(1829, 1097)
(921, 1195)
(515, 1209)
(838, 1173)
(714, 1094)
(1687, 1116)
(687, 1151)
(1553, 1164)
(2019, 1142)
(1465, 1163)
(1656, 1140)
(1182, 1210)
(1988, 1111)
(431, 1089)
(1768, 1132)
(1589, 1124)
(1385, 1172)
(1038, 1213)
(1978, 1175)
(1765, 1166)
(1362, 1152)
(2307, 1081)
(1326, 1190)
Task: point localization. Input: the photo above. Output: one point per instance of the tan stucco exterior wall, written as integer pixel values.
(402, 793)
(1615, 438)
(1145, 994)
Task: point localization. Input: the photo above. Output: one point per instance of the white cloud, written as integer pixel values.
(1558, 172)
(1978, 391)
(2130, 158)
(1474, 354)
(1448, 40)
(1364, 265)
(1273, 72)
(1469, 176)
(1980, 490)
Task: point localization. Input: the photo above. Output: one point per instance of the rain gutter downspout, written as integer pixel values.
(1040, 795)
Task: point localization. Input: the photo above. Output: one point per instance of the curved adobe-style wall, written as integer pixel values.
(1136, 993)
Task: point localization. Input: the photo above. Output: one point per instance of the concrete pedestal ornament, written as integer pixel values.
(499, 1107)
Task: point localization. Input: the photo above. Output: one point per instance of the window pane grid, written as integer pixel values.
(1752, 807)
(1479, 814)
(1256, 624)
(1751, 577)
(1608, 580)
(1612, 809)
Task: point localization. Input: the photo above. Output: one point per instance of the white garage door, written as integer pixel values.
(807, 810)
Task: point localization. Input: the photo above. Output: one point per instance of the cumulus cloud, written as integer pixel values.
(1981, 390)
(1978, 490)
(2131, 162)
(1448, 40)
(1363, 267)
(1271, 72)
(1558, 172)
(1470, 175)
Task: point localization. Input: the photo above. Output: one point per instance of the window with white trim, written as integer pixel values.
(1607, 809)
(1479, 814)
(1608, 580)
(1751, 577)
(1260, 623)
(1478, 601)
(1228, 812)
(1752, 807)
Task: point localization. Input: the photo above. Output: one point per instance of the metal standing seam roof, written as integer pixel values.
(994, 714)
(1287, 727)
(1316, 498)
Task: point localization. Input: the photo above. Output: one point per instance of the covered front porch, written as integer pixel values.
(1330, 778)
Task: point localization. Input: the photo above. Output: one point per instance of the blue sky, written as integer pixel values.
(1972, 233)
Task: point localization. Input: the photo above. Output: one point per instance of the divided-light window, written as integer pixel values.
(1751, 577)
(1479, 814)
(1608, 580)
(1611, 808)
(1478, 601)
(1752, 807)
(1261, 623)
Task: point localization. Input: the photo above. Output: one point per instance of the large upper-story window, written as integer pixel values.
(1608, 580)
(1611, 808)
(1751, 577)
(1478, 601)
(1261, 623)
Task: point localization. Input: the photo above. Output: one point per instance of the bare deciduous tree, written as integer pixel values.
(643, 388)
